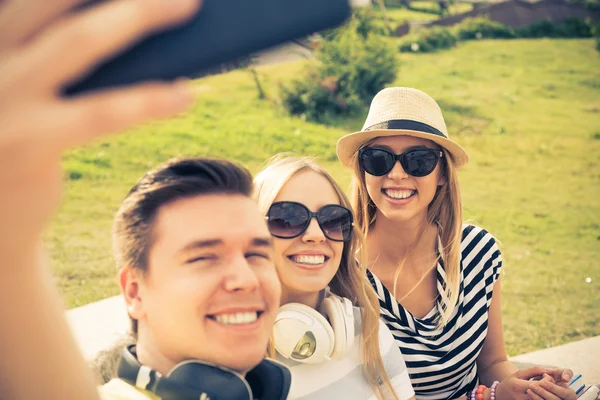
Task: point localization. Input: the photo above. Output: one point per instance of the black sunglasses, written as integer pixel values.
(288, 220)
(418, 162)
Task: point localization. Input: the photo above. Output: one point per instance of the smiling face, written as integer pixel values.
(307, 263)
(211, 291)
(398, 196)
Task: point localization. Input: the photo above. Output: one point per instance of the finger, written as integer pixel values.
(20, 19)
(533, 396)
(85, 118)
(518, 386)
(548, 378)
(559, 391)
(529, 373)
(90, 36)
(566, 374)
(542, 392)
(561, 376)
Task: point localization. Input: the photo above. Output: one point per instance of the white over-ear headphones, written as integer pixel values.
(306, 335)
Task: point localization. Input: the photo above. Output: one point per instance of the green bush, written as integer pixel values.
(439, 38)
(592, 5)
(575, 28)
(569, 28)
(367, 23)
(317, 99)
(350, 70)
(537, 29)
(363, 21)
(483, 28)
(429, 40)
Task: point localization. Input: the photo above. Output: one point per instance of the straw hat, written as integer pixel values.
(401, 111)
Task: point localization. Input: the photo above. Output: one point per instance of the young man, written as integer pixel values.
(195, 264)
(223, 318)
(42, 47)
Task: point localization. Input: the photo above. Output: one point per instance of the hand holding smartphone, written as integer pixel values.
(222, 31)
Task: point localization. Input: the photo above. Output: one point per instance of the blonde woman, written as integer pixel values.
(328, 330)
(438, 281)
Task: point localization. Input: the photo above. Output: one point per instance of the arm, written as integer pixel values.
(41, 48)
(492, 363)
(39, 356)
(493, 366)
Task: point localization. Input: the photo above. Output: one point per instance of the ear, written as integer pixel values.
(130, 280)
(442, 180)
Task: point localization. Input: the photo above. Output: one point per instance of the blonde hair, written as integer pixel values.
(350, 280)
(445, 210)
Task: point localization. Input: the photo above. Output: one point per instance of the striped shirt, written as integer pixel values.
(442, 365)
(344, 379)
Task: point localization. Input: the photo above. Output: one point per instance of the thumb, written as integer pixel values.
(561, 375)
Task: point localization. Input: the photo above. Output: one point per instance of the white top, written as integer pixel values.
(344, 379)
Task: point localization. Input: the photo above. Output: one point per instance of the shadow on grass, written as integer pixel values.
(349, 123)
(464, 119)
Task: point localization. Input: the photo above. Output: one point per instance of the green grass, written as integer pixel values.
(527, 111)
(399, 15)
(456, 8)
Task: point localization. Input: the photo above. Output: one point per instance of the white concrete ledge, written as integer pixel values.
(98, 325)
(583, 357)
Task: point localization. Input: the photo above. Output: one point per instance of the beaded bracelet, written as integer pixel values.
(493, 390)
(477, 393)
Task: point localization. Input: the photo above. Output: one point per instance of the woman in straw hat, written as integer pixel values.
(438, 281)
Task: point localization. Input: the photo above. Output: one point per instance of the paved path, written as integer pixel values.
(286, 52)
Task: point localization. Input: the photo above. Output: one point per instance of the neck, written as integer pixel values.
(394, 241)
(149, 355)
(311, 299)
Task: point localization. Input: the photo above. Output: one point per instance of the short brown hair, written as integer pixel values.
(176, 179)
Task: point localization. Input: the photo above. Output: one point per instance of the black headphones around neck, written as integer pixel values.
(194, 380)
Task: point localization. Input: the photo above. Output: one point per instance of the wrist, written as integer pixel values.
(482, 392)
(487, 394)
(22, 261)
(492, 390)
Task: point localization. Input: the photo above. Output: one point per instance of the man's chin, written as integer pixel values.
(243, 363)
(239, 358)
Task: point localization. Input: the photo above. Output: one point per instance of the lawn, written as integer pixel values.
(528, 112)
(399, 14)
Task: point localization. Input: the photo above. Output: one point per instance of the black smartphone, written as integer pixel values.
(222, 31)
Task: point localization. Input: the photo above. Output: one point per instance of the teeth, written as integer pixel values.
(312, 260)
(237, 318)
(399, 194)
